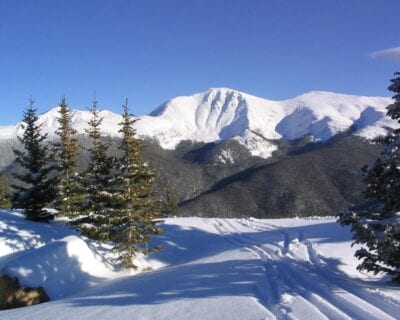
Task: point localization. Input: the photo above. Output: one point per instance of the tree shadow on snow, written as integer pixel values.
(267, 281)
(192, 277)
(186, 244)
(55, 268)
(21, 235)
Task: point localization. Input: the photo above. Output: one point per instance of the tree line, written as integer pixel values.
(111, 200)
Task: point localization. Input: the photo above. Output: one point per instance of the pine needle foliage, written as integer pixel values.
(5, 191)
(37, 187)
(98, 183)
(66, 151)
(170, 205)
(135, 221)
(377, 226)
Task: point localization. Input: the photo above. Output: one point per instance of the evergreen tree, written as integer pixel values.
(377, 225)
(37, 188)
(5, 193)
(137, 216)
(97, 183)
(170, 205)
(66, 151)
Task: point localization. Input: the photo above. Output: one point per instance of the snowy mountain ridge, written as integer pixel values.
(221, 113)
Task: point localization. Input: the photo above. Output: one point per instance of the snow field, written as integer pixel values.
(210, 269)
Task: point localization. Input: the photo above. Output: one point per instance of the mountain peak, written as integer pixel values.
(224, 113)
(79, 118)
(218, 114)
(325, 96)
(221, 90)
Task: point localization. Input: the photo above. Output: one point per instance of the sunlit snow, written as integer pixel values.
(211, 268)
(221, 113)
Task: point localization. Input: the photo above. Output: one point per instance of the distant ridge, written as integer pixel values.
(219, 114)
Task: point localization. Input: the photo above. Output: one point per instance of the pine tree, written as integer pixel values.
(377, 225)
(97, 183)
(170, 205)
(137, 216)
(5, 192)
(37, 188)
(66, 151)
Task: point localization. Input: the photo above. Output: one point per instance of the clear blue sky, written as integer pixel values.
(151, 51)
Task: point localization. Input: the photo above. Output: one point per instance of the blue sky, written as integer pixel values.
(151, 51)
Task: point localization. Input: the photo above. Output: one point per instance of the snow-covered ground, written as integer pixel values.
(209, 269)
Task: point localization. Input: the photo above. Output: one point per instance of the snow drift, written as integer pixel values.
(62, 267)
(212, 269)
(51, 255)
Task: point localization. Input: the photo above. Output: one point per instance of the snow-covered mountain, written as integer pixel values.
(219, 114)
(79, 121)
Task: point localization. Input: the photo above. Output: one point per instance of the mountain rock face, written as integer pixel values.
(228, 153)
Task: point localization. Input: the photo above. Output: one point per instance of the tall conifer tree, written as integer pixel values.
(66, 156)
(98, 182)
(377, 226)
(37, 188)
(137, 216)
(170, 206)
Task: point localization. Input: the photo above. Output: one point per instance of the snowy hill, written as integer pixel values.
(221, 113)
(79, 122)
(209, 269)
(53, 255)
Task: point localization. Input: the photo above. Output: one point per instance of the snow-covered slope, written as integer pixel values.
(79, 122)
(221, 113)
(51, 255)
(212, 269)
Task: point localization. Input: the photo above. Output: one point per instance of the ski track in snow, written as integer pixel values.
(311, 288)
(222, 269)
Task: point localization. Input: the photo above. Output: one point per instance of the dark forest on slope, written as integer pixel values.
(301, 179)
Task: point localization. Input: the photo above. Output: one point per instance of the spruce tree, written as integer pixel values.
(36, 188)
(170, 205)
(5, 192)
(137, 216)
(376, 226)
(66, 151)
(97, 183)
